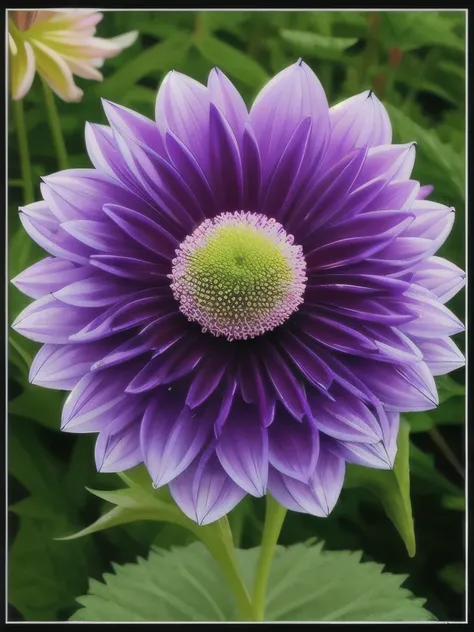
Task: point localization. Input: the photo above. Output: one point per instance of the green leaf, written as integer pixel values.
(455, 576)
(323, 47)
(445, 163)
(419, 421)
(140, 501)
(158, 58)
(458, 503)
(448, 388)
(425, 475)
(30, 462)
(182, 585)
(231, 61)
(309, 584)
(411, 30)
(40, 404)
(19, 356)
(392, 488)
(305, 584)
(44, 575)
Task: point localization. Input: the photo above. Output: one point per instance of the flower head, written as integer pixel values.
(242, 300)
(58, 44)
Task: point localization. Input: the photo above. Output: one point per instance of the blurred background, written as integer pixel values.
(415, 63)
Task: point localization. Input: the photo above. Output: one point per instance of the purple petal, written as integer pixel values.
(226, 162)
(434, 318)
(346, 418)
(360, 121)
(289, 173)
(287, 386)
(143, 230)
(392, 162)
(93, 397)
(324, 200)
(319, 496)
(226, 405)
(223, 93)
(349, 250)
(293, 447)
(105, 156)
(441, 355)
(182, 106)
(255, 388)
(400, 388)
(252, 170)
(48, 276)
(425, 191)
(118, 448)
(50, 320)
(206, 379)
(291, 95)
(377, 455)
(94, 291)
(181, 360)
(310, 364)
(135, 126)
(171, 436)
(62, 366)
(137, 308)
(204, 491)
(51, 237)
(441, 277)
(328, 479)
(185, 163)
(294, 494)
(242, 449)
(100, 236)
(333, 333)
(80, 193)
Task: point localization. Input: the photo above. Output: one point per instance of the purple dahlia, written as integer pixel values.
(244, 301)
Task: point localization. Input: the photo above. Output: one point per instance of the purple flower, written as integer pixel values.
(242, 301)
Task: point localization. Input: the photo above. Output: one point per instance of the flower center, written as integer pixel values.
(239, 275)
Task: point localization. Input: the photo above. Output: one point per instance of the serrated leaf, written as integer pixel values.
(324, 47)
(182, 585)
(231, 61)
(392, 488)
(305, 584)
(309, 584)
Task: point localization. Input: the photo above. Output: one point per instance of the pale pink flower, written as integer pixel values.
(58, 45)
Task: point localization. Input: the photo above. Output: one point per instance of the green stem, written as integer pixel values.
(27, 180)
(55, 126)
(218, 539)
(273, 523)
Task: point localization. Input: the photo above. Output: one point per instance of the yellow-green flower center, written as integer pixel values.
(238, 275)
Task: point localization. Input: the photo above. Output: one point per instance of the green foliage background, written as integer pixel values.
(415, 63)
